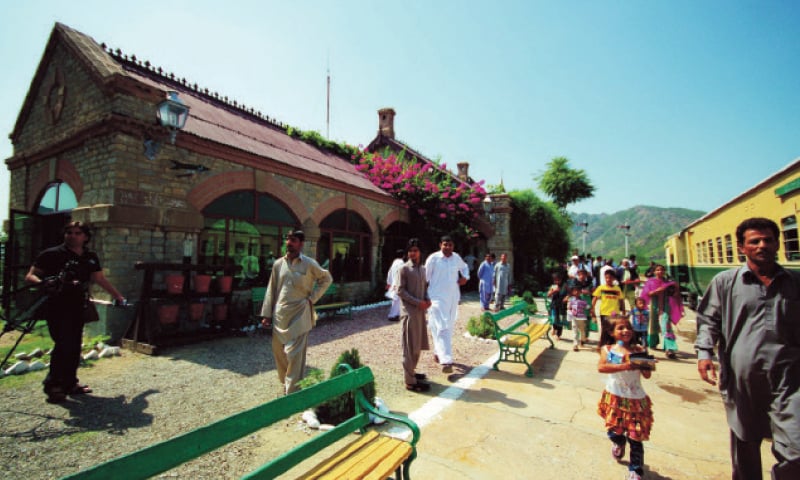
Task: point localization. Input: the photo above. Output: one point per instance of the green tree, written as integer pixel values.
(563, 184)
(540, 233)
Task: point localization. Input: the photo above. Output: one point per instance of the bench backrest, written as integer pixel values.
(168, 454)
(517, 308)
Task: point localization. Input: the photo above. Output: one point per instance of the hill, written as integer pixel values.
(649, 229)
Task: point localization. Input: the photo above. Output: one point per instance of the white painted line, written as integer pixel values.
(435, 406)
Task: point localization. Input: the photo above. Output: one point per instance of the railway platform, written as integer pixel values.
(504, 425)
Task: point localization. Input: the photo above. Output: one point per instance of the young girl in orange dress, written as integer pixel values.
(624, 405)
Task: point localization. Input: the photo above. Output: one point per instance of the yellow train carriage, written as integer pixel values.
(708, 246)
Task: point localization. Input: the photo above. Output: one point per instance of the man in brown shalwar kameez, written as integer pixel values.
(414, 296)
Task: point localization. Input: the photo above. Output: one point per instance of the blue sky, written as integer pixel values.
(665, 103)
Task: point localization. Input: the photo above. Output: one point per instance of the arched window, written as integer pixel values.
(245, 228)
(344, 246)
(394, 238)
(58, 197)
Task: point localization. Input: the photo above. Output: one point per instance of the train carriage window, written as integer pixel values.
(791, 246)
(711, 251)
(719, 250)
(728, 248)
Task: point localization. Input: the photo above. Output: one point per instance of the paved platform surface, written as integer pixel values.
(502, 424)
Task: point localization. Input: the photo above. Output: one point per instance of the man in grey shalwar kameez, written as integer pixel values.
(752, 314)
(502, 282)
(413, 294)
(296, 284)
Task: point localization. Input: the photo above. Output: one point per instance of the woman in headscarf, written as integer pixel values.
(664, 299)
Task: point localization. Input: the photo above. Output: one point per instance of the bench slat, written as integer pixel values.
(342, 454)
(372, 455)
(535, 331)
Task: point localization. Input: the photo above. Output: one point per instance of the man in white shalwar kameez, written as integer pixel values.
(392, 284)
(445, 271)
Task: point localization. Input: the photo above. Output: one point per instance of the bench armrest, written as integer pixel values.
(393, 417)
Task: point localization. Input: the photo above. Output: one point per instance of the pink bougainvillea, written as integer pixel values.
(429, 191)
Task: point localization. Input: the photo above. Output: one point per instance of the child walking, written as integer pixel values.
(556, 294)
(624, 405)
(640, 319)
(576, 314)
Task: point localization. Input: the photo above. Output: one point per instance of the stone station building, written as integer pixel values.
(224, 192)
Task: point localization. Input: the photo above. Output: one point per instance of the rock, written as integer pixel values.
(37, 365)
(381, 407)
(106, 352)
(92, 355)
(17, 368)
(311, 419)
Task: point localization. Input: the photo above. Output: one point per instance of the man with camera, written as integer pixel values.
(65, 273)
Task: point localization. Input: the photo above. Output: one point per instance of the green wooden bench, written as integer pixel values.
(514, 344)
(368, 455)
(331, 303)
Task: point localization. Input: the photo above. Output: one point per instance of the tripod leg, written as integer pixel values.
(11, 352)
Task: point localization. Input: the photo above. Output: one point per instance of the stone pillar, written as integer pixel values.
(500, 218)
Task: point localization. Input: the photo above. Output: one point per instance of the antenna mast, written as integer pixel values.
(328, 103)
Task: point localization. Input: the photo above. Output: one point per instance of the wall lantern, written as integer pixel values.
(488, 207)
(171, 113)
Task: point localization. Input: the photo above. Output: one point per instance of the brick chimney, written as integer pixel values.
(463, 171)
(386, 122)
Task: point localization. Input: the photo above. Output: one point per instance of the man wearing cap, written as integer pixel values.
(296, 284)
(572, 271)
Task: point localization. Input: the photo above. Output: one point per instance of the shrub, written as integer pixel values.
(339, 409)
(481, 326)
(313, 377)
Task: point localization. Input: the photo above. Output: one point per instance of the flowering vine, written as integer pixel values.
(430, 192)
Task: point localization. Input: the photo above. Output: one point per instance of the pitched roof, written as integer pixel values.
(212, 117)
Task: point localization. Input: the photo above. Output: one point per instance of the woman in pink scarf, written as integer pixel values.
(664, 299)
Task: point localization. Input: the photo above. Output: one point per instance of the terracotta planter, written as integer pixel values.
(174, 283)
(196, 311)
(168, 314)
(225, 283)
(220, 312)
(202, 283)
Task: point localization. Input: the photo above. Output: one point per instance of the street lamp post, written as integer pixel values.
(585, 226)
(626, 226)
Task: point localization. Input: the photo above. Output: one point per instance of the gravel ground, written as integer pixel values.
(139, 399)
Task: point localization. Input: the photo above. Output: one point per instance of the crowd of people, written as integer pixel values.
(750, 315)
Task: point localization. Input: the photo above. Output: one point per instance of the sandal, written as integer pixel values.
(79, 389)
(418, 387)
(671, 355)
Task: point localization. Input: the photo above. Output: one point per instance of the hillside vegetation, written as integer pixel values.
(650, 227)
